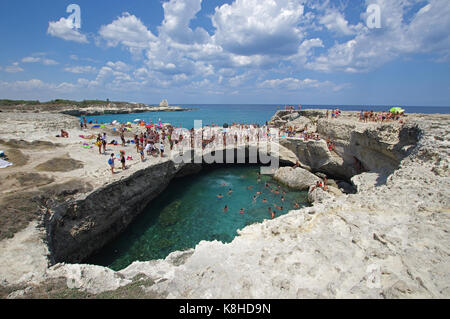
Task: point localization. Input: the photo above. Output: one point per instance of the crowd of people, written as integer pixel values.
(371, 116)
(336, 113)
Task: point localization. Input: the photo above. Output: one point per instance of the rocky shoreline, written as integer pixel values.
(90, 110)
(389, 240)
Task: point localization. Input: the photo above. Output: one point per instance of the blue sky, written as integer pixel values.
(233, 51)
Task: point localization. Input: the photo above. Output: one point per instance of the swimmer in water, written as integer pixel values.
(254, 198)
(230, 192)
(271, 213)
(250, 187)
(282, 199)
(296, 205)
(258, 193)
(267, 185)
(265, 201)
(242, 211)
(225, 209)
(220, 196)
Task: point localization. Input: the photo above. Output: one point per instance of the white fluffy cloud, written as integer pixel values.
(370, 48)
(250, 27)
(64, 29)
(128, 31)
(177, 16)
(336, 23)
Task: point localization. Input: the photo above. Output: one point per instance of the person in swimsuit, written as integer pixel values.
(225, 209)
(265, 201)
(64, 134)
(104, 142)
(220, 196)
(122, 137)
(230, 192)
(111, 162)
(141, 151)
(122, 160)
(242, 211)
(99, 143)
(271, 213)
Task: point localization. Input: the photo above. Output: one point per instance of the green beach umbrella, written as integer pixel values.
(396, 110)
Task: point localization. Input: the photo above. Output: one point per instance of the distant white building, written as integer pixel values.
(164, 103)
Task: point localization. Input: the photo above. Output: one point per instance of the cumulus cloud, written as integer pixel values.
(177, 16)
(426, 32)
(335, 22)
(128, 31)
(249, 27)
(65, 29)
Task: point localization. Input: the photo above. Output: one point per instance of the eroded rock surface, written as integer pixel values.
(390, 240)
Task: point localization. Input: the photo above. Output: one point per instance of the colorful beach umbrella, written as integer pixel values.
(396, 110)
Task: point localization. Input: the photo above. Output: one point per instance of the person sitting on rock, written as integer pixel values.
(64, 134)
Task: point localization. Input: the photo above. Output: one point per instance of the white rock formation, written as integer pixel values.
(391, 240)
(298, 178)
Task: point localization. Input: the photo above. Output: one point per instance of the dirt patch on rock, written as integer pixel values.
(17, 210)
(29, 145)
(16, 157)
(26, 180)
(60, 164)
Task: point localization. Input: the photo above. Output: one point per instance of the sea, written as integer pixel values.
(220, 114)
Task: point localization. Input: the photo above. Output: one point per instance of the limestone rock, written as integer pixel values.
(318, 195)
(297, 178)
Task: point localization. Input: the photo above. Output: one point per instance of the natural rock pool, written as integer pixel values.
(189, 211)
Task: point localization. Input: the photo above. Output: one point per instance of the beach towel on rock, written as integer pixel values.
(4, 164)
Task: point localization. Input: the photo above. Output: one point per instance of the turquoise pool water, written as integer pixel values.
(188, 211)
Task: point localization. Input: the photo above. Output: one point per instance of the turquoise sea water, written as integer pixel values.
(188, 211)
(245, 113)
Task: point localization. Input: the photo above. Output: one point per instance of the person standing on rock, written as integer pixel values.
(99, 143)
(104, 143)
(122, 160)
(161, 148)
(122, 137)
(111, 162)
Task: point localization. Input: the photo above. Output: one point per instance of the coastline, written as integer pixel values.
(321, 251)
(90, 109)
